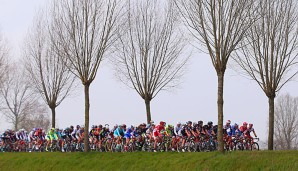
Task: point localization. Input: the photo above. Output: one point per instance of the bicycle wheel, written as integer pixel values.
(255, 146)
(238, 146)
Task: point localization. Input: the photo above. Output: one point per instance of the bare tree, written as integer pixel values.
(219, 26)
(148, 52)
(4, 55)
(17, 97)
(270, 50)
(83, 31)
(48, 74)
(286, 122)
(38, 117)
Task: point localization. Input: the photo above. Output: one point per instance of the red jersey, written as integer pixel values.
(157, 130)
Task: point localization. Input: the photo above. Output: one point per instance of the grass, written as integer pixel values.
(259, 160)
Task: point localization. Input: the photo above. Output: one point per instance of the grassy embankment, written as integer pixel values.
(260, 160)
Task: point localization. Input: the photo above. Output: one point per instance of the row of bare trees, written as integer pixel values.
(146, 41)
(19, 105)
(261, 36)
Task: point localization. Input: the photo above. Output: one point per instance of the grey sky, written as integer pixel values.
(112, 102)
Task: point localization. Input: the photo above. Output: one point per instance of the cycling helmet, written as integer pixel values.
(200, 122)
(162, 123)
(250, 125)
(189, 122)
(92, 127)
(78, 126)
(71, 126)
(132, 127)
(123, 125)
(210, 123)
(244, 123)
(228, 121)
(170, 126)
(52, 129)
(67, 129)
(179, 123)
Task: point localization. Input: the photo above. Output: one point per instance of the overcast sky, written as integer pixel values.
(112, 102)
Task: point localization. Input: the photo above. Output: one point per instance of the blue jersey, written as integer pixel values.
(129, 133)
(235, 132)
(119, 132)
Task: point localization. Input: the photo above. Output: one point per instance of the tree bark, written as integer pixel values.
(147, 103)
(271, 123)
(53, 117)
(220, 103)
(87, 107)
(16, 124)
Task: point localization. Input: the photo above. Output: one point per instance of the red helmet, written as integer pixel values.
(228, 121)
(161, 122)
(244, 123)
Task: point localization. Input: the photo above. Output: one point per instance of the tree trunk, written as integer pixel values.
(147, 102)
(53, 116)
(220, 102)
(271, 123)
(16, 124)
(87, 107)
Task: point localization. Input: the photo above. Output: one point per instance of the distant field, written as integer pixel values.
(259, 160)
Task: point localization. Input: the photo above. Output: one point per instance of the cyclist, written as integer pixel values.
(50, 137)
(73, 134)
(141, 132)
(187, 132)
(157, 136)
(249, 130)
(243, 128)
(171, 133)
(80, 135)
(118, 134)
(129, 134)
(227, 128)
(104, 133)
(31, 138)
(66, 135)
(210, 130)
(235, 132)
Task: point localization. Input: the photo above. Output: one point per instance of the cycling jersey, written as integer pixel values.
(51, 135)
(235, 131)
(157, 130)
(170, 131)
(21, 135)
(177, 130)
(227, 129)
(129, 133)
(104, 133)
(119, 132)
